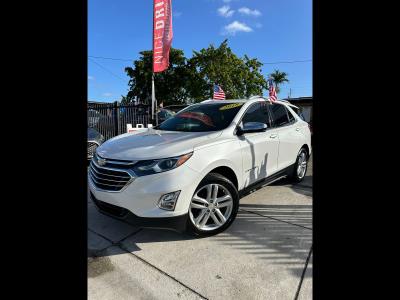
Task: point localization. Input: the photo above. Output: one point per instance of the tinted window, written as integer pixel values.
(279, 115)
(298, 112)
(162, 114)
(291, 118)
(258, 112)
(295, 109)
(202, 117)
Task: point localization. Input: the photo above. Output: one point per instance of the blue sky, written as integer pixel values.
(270, 30)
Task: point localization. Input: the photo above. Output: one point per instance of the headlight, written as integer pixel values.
(148, 167)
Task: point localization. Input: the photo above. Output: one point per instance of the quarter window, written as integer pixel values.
(298, 111)
(291, 118)
(279, 115)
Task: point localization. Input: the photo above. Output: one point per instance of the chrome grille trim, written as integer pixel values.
(97, 168)
(109, 179)
(113, 185)
(117, 162)
(93, 174)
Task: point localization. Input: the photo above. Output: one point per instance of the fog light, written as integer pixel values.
(168, 201)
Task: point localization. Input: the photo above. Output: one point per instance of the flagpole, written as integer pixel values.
(152, 75)
(153, 97)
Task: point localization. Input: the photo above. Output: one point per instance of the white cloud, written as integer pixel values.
(225, 11)
(90, 77)
(236, 26)
(248, 12)
(107, 94)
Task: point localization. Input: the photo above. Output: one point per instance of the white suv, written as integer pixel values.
(189, 172)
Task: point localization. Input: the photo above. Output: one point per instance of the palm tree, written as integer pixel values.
(278, 78)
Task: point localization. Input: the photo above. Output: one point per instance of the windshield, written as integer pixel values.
(202, 117)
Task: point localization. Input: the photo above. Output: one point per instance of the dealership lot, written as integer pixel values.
(265, 254)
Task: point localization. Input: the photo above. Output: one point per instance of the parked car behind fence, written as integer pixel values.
(176, 107)
(110, 119)
(94, 139)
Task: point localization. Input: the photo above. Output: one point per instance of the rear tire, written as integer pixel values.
(213, 207)
(300, 167)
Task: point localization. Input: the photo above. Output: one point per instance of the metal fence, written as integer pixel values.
(110, 119)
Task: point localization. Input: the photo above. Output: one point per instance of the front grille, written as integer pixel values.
(112, 180)
(91, 149)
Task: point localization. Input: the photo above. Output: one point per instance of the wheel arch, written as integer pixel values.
(228, 173)
(307, 148)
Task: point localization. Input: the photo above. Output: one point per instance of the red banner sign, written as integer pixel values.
(162, 34)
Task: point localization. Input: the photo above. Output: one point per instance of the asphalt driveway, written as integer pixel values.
(265, 254)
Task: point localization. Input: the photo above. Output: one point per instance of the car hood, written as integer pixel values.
(153, 144)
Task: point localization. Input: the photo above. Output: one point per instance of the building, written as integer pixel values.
(305, 105)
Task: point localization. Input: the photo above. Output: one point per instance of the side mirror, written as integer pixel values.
(251, 127)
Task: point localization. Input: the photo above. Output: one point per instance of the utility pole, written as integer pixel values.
(290, 93)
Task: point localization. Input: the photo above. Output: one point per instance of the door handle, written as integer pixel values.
(297, 129)
(274, 135)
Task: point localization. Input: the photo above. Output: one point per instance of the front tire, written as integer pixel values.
(213, 207)
(300, 167)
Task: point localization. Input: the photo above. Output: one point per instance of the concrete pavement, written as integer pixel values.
(262, 255)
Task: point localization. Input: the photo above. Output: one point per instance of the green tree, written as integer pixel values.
(194, 78)
(124, 100)
(169, 85)
(278, 78)
(238, 77)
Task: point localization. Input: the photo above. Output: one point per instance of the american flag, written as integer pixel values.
(218, 93)
(272, 91)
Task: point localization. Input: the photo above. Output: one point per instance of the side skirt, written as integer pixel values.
(266, 181)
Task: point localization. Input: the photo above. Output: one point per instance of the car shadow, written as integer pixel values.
(257, 231)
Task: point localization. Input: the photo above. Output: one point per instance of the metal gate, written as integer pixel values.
(110, 119)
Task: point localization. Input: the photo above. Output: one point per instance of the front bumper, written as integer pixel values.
(141, 195)
(175, 223)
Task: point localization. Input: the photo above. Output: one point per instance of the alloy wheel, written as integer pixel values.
(301, 165)
(211, 207)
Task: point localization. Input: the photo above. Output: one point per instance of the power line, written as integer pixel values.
(107, 70)
(287, 62)
(265, 63)
(111, 58)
